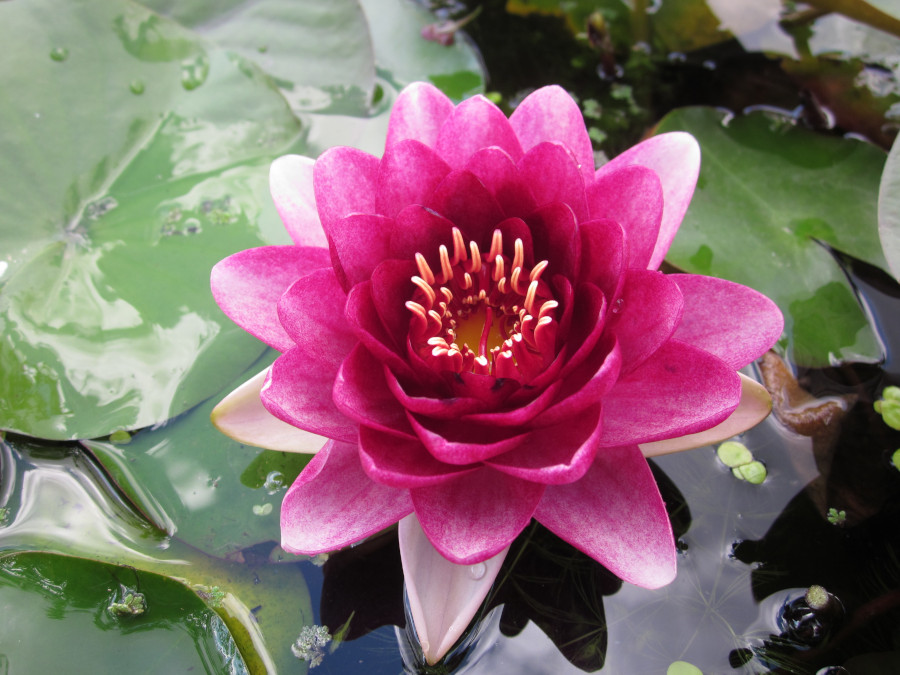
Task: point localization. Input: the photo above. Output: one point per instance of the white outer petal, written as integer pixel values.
(443, 596)
(241, 416)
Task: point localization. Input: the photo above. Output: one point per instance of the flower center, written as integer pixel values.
(484, 314)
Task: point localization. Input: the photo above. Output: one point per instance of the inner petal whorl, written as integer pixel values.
(487, 314)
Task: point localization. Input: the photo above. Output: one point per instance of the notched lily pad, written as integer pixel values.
(771, 201)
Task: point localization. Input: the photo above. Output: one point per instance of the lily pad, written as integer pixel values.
(66, 602)
(134, 158)
(889, 210)
(770, 201)
(320, 54)
(195, 483)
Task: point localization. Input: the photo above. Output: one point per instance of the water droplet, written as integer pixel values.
(617, 306)
(194, 71)
(274, 482)
(137, 87)
(59, 54)
(477, 571)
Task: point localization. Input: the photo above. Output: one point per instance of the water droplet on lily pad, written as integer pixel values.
(59, 54)
(274, 482)
(478, 570)
(733, 454)
(194, 72)
(136, 87)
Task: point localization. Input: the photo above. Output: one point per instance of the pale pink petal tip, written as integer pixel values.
(443, 597)
(242, 417)
(291, 185)
(754, 407)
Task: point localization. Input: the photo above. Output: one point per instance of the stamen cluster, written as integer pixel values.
(510, 304)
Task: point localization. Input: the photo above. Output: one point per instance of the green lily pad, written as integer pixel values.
(770, 200)
(193, 482)
(66, 602)
(889, 210)
(59, 501)
(320, 54)
(117, 199)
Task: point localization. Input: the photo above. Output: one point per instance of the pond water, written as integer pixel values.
(155, 549)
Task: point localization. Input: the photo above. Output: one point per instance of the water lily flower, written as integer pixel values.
(477, 325)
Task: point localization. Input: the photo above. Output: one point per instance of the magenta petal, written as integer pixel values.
(552, 173)
(361, 393)
(603, 257)
(333, 503)
(409, 172)
(308, 311)
(248, 285)
(403, 463)
(298, 391)
(550, 114)
(419, 230)
(675, 157)
(360, 241)
(391, 287)
(291, 185)
(496, 170)
(464, 201)
(588, 321)
(633, 197)
(554, 231)
(418, 113)
(615, 515)
(443, 596)
(679, 390)
(476, 123)
(344, 180)
(440, 407)
(455, 443)
(734, 322)
(366, 324)
(557, 454)
(645, 315)
(472, 518)
(520, 414)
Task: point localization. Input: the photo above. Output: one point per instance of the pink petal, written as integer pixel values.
(645, 315)
(552, 173)
(298, 391)
(311, 313)
(734, 322)
(754, 407)
(603, 255)
(475, 123)
(615, 515)
(391, 287)
(409, 172)
(589, 316)
(368, 328)
(496, 170)
(248, 285)
(242, 417)
(675, 157)
(554, 231)
(403, 463)
(465, 202)
(443, 596)
(419, 230)
(431, 403)
(550, 114)
(418, 113)
(557, 454)
(361, 393)
(679, 390)
(333, 503)
(519, 415)
(455, 443)
(291, 185)
(475, 517)
(633, 197)
(359, 242)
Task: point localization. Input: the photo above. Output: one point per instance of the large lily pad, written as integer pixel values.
(193, 482)
(66, 601)
(771, 199)
(134, 157)
(889, 210)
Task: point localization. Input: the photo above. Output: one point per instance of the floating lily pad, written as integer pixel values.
(117, 199)
(770, 201)
(199, 485)
(66, 602)
(889, 210)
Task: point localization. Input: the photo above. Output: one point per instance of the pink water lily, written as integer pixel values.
(476, 323)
